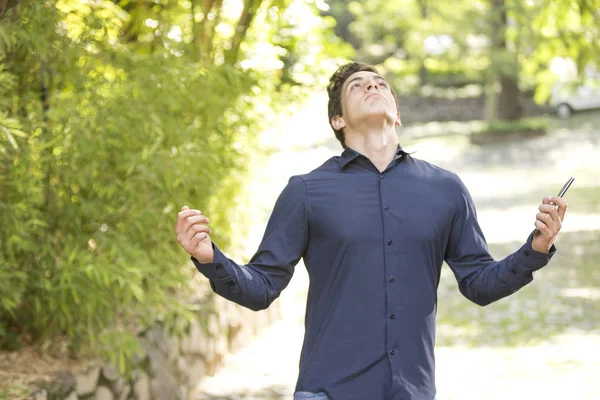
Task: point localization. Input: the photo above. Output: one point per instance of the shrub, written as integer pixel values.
(104, 135)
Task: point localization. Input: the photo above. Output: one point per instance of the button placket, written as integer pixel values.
(389, 257)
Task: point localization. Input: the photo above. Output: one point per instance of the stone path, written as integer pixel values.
(507, 181)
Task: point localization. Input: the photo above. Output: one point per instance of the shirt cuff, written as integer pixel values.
(216, 270)
(533, 259)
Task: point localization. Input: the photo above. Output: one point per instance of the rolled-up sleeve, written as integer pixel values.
(482, 279)
(255, 285)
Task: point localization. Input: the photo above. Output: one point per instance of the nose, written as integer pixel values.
(372, 84)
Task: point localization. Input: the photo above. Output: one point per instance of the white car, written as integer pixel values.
(568, 98)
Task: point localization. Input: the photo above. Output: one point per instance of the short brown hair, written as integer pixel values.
(334, 90)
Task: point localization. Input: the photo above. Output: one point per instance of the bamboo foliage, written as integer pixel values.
(113, 115)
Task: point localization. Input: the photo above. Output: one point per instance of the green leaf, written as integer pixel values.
(10, 138)
(18, 132)
(137, 292)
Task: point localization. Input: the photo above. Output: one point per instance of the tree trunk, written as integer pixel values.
(509, 102)
(423, 75)
(344, 18)
(6, 5)
(509, 105)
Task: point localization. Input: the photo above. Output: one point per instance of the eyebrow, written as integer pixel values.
(360, 78)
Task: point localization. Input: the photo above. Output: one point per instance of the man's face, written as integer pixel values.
(366, 95)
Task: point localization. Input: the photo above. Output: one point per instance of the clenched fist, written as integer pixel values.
(193, 234)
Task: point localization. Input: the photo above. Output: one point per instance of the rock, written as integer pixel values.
(155, 335)
(139, 357)
(72, 396)
(118, 386)
(185, 392)
(61, 384)
(197, 340)
(213, 363)
(211, 347)
(104, 393)
(157, 360)
(40, 395)
(213, 325)
(185, 343)
(195, 373)
(141, 388)
(155, 339)
(182, 365)
(224, 320)
(125, 393)
(221, 344)
(164, 387)
(87, 381)
(67, 384)
(173, 348)
(110, 373)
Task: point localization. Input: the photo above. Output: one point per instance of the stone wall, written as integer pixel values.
(418, 109)
(170, 368)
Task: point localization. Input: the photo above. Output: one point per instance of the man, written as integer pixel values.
(373, 226)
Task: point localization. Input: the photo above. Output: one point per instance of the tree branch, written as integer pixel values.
(248, 13)
(203, 41)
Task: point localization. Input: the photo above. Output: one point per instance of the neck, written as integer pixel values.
(377, 144)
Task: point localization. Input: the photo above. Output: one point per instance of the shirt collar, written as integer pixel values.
(349, 154)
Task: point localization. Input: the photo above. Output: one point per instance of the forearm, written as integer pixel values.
(498, 279)
(256, 284)
(239, 283)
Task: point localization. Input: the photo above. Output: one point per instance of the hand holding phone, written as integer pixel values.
(562, 192)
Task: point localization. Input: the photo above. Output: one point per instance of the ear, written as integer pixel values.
(398, 120)
(338, 123)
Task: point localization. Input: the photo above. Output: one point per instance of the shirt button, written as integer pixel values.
(381, 176)
(387, 207)
(392, 316)
(526, 253)
(392, 352)
(390, 242)
(219, 266)
(392, 279)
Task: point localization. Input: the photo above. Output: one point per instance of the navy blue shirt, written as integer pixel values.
(373, 244)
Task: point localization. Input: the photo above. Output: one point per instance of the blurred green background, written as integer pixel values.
(114, 114)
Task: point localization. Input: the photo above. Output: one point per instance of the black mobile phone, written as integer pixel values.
(566, 187)
(562, 192)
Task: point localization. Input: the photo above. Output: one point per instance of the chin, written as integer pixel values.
(382, 113)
